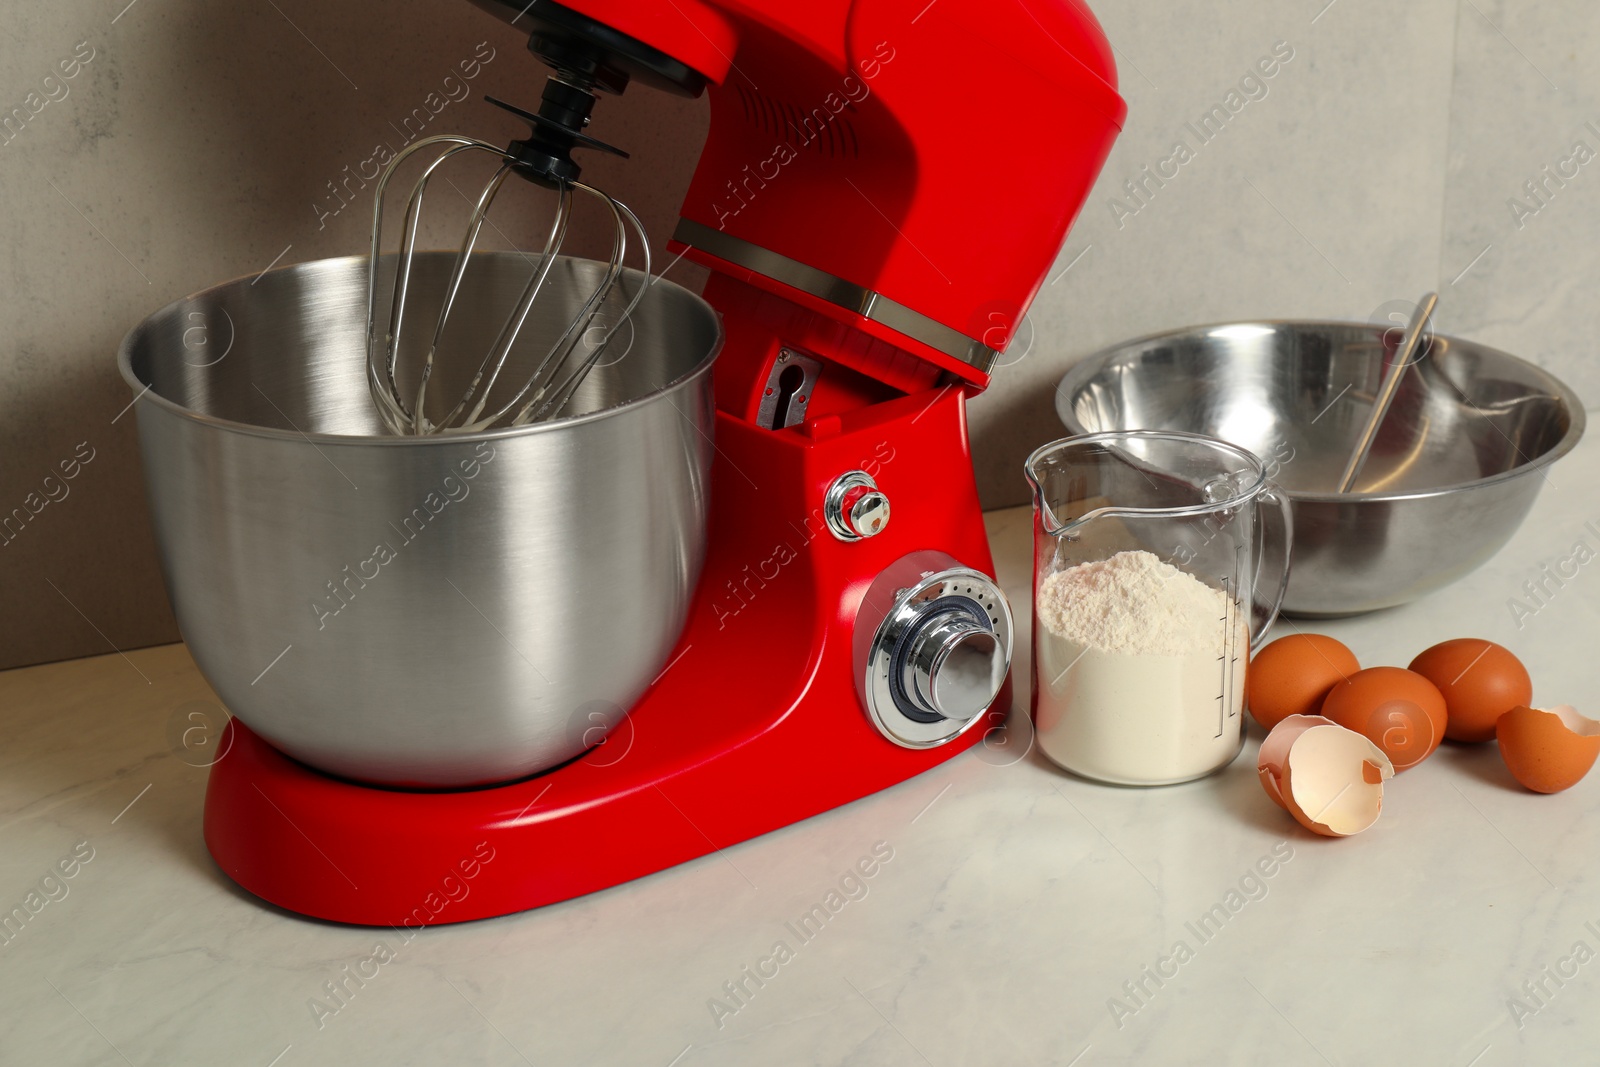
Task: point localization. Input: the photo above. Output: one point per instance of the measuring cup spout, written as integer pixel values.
(1059, 480)
(1041, 506)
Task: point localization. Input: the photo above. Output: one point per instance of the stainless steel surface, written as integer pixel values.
(1403, 358)
(932, 646)
(544, 385)
(431, 611)
(1453, 472)
(835, 290)
(854, 508)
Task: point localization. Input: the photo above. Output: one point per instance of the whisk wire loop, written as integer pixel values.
(558, 374)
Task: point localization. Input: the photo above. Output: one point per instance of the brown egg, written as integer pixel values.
(1292, 676)
(1400, 711)
(1480, 682)
(1548, 751)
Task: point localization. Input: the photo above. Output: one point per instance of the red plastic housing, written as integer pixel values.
(935, 153)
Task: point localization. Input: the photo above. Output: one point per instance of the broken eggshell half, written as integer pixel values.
(1548, 750)
(1328, 777)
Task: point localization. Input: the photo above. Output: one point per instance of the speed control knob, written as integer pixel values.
(933, 645)
(956, 666)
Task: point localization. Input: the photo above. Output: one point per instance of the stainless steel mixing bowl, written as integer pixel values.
(422, 611)
(1454, 470)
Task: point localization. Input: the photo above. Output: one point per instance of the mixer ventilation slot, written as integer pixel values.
(818, 127)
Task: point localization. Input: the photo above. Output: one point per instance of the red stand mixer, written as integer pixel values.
(867, 280)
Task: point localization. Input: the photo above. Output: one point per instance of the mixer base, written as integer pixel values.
(378, 857)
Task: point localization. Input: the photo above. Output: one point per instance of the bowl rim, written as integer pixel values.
(144, 391)
(1091, 364)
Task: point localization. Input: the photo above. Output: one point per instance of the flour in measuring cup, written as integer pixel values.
(1138, 671)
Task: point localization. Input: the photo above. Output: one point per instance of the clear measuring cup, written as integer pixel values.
(1160, 558)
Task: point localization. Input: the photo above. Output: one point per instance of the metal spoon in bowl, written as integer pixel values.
(1389, 389)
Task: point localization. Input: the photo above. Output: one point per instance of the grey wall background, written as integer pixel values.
(198, 141)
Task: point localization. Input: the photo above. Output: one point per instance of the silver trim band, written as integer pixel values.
(824, 286)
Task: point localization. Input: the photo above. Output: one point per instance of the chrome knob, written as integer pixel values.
(956, 666)
(932, 647)
(854, 507)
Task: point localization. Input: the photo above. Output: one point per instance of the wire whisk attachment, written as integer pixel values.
(494, 396)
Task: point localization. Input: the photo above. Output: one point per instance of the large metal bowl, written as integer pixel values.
(1453, 472)
(429, 612)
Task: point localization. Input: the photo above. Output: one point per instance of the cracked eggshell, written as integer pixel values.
(1548, 750)
(1328, 777)
(1273, 759)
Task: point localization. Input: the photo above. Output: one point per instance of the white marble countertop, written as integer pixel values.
(1016, 904)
